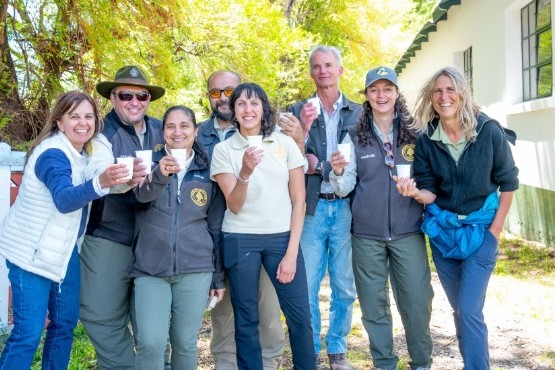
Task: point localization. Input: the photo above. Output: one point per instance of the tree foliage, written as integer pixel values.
(51, 46)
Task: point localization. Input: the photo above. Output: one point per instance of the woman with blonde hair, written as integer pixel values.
(465, 174)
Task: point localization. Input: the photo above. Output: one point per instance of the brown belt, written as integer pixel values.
(329, 196)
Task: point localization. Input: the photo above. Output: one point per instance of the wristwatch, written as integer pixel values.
(318, 169)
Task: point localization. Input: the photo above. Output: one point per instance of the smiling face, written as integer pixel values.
(130, 112)
(445, 98)
(179, 130)
(219, 82)
(78, 124)
(382, 96)
(325, 69)
(249, 112)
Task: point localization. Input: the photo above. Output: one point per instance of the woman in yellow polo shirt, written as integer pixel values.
(265, 194)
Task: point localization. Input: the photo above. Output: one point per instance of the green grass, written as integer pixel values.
(524, 260)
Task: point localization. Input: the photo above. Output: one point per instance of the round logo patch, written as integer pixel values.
(199, 197)
(134, 72)
(408, 152)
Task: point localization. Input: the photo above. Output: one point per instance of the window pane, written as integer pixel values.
(524, 19)
(544, 46)
(545, 83)
(525, 54)
(533, 55)
(544, 13)
(534, 83)
(532, 17)
(526, 85)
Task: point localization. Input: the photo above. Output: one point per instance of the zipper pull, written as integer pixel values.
(179, 196)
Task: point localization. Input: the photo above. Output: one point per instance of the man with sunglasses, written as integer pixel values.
(217, 128)
(106, 253)
(326, 238)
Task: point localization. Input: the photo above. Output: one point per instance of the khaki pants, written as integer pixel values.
(105, 301)
(272, 337)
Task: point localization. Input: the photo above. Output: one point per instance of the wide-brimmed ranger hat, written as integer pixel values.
(380, 73)
(130, 76)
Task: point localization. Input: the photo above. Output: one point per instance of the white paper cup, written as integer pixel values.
(316, 102)
(128, 161)
(255, 140)
(146, 156)
(345, 149)
(403, 170)
(181, 156)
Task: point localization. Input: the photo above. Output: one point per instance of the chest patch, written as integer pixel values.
(408, 152)
(279, 152)
(199, 197)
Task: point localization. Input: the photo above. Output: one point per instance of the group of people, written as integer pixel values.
(256, 227)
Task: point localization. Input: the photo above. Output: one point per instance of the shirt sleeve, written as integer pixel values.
(221, 161)
(342, 185)
(294, 158)
(54, 170)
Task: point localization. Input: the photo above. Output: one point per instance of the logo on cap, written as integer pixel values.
(134, 72)
(382, 72)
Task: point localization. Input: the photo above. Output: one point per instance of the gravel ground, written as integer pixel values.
(520, 317)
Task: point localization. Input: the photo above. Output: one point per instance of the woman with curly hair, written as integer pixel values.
(386, 237)
(265, 194)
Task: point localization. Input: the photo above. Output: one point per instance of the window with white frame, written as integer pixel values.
(537, 51)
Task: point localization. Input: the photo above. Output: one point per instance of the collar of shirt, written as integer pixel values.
(380, 135)
(440, 135)
(338, 104)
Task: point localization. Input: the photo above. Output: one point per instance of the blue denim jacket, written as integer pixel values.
(459, 238)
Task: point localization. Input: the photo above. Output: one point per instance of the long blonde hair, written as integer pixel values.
(467, 113)
(66, 103)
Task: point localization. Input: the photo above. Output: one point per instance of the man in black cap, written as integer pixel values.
(106, 253)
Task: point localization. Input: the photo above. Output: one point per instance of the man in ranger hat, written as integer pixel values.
(106, 253)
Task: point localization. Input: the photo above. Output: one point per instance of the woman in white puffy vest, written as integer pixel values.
(67, 166)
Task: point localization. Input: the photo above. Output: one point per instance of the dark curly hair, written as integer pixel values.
(364, 131)
(251, 89)
(201, 157)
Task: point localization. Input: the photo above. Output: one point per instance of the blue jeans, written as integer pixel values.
(465, 283)
(243, 255)
(32, 297)
(326, 244)
(173, 305)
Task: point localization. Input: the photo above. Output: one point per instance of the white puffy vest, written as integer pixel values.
(34, 235)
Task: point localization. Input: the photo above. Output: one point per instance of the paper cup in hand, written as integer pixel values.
(316, 102)
(403, 170)
(128, 161)
(146, 156)
(211, 303)
(181, 156)
(345, 149)
(255, 140)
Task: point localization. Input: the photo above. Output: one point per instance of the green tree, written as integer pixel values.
(50, 46)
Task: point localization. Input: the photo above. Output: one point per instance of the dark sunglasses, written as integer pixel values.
(128, 95)
(389, 161)
(216, 93)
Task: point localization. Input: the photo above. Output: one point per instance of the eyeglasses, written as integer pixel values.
(128, 95)
(389, 161)
(216, 93)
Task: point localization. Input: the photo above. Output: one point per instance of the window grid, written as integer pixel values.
(537, 56)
